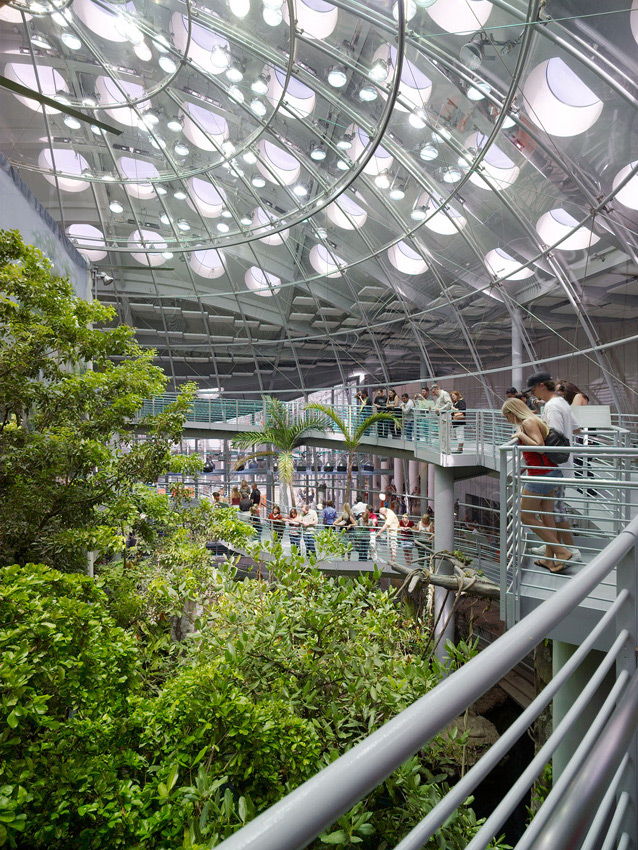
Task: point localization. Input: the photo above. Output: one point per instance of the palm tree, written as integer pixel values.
(352, 432)
(283, 432)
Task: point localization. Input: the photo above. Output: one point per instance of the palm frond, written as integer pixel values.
(246, 439)
(253, 456)
(300, 428)
(370, 421)
(332, 414)
(286, 467)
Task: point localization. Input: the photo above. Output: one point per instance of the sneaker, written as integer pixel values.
(576, 554)
(537, 550)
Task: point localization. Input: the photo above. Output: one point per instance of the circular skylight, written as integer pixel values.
(503, 265)
(277, 165)
(208, 50)
(40, 78)
(555, 224)
(501, 171)
(111, 92)
(446, 221)
(299, 97)
(261, 282)
(325, 262)
(628, 195)
(346, 213)
(103, 19)
(209, 263)
(206, 198)
(460, 16)
(558, 101)
(68, 165)
(138, 170)
(88, 240)
(261, 220)
(315, 18)
(380, 161)
(203, 127)
(406, 260)
(147, 239)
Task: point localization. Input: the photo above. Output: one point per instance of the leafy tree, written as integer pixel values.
(69, 396)
(353, 431)
(285, 432)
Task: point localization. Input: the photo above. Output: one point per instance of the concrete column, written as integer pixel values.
(227, 472)
(565, 698)
(443, 540)
(385, 477)
(431, 485)
(270, 481)
(517, 348)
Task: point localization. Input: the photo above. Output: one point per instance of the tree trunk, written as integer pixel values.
(292, 494)
(349, 477)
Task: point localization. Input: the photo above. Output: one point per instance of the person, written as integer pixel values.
(245, 504)
(346, 522)
(235, 496)
(218, 501)
(391, 526)
(570, 392)
(365, 407)
(380, 402)
(309, 521)
(255, 495)
(293, 521)
(532, 403)
(511, 392)
(406, 532)
(244, 489)
(394, 407)
(425, 529)
(277, 523)
(328, 514)
(541, 480)
(255, 521)
(424, 406)
(557, 414)
(362, 536)
(407, 411)
(458, 418)
(442, 405)
(360, 505)
(442, 400)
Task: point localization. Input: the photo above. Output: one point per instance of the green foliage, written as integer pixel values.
(68, 456)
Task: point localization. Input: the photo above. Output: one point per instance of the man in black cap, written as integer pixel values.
(512, 392)
(557, 414)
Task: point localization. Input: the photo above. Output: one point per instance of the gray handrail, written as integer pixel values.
(300, 816)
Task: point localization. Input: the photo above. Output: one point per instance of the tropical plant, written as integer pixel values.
(70, 392)
(353, 429)
(284, 432)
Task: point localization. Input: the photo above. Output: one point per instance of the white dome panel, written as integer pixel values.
(101, 19)
(346, 213)
(138, 169)
(460, 16)
(380, 161)
(261, 221)
(497, 166)
(325, 262)
(208, 264)
(110, 91)
(67, 162)
(204, 128)
(558, 101)
(261, 282)
(277, 165)
(88, 240)
(628, 195)
(406, 260)
(446, 221)
(298, 96)
(147, 239)
(46, 79)
(315, 18)
(502, 265)
(206, 198)
(553, 225)
(211, 52)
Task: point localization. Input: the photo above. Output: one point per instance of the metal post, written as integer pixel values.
(565, 698)
(398, 477)
(443, 541)
(517, 348)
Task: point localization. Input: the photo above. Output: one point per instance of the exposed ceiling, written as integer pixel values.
(280, 211)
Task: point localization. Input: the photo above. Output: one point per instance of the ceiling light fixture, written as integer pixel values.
(382, 181)
(342, 165)
(179, 195)
(175, 125)
(226, 213)
(72, 122)
(379, 71)
(337, 76)
(258, 107)
(410, 10)
(317, 153)
(473, 52)
(418, 214)
(228, 148)
(165, 219)
(143, 52)
(272, 17)
(59, 19)
(452, 174)
(116, 207)
(321, 232)
(425, 4)
(260, 85)
(161, 190)
(368, 93)
(478, 91)
(70, 40)
(249, 157)
(235, 72)
(258, 181)
(345, 144)
(417, 119)
(168, 255)
(245, 221)
(167, 64)
(429, 152)
(236, 94)
(40, 41)
(300, 190)
(239, 8)
(97, 130)
(183, 224)
(181, 149)
(396, 194)
(223, 227)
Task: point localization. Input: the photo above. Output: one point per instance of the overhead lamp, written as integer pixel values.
(40, 41)
(165, 219)
(167, 64)
(272, 17)
(379, 71)
(179, 195)
(508, 122)
(249, 157)
(452, 174)
(417, 119)
(382, 181)
(116, 207)
(245, 221)
(143, 52)
(235, 72)
(258, 107)
(368, 93)
(441, 134)
(226, 213)
(239, 8)
(410, 10)
(236, 94)
(259, 85)
(150, 119)
(158, 143)
(168, 255)
(70, 40)
(128, 29)
(273, 4)
(223, 227)
(175, 125)
(478, 91)
(183, 224)
(317, 153)
(181, 149)
(258, 181)
(219, 57)
(72, 122)
(300, 190)
(346, 143)
(342, 165)
(59, 19)
(228, 148)
(418, 214)
(98, 131)
(321, 232)
(337, 76)
(161, 44)
(473, 52)
(396, 193)
(429, 152)
(161, 190)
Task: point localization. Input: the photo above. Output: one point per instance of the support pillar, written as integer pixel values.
(398, 478)
(443, 540)
(385, 476)
(567, 695)
(517, 349)
(430, 484)
(414, 481)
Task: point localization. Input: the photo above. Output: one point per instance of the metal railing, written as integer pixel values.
(597, 490)
(595, 795)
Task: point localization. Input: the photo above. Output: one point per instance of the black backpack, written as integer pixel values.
(556, 438)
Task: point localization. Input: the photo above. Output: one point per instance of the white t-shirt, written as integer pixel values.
(391, 520)
(558, 415)
(359, 508)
